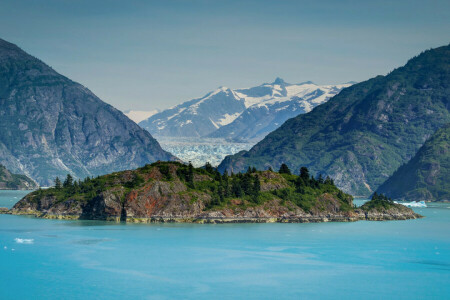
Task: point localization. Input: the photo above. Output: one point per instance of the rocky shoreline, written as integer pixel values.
(357, 215)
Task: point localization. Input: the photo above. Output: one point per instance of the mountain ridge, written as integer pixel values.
(360, 136)
(229, 113)
(51, 125)
(427, 175)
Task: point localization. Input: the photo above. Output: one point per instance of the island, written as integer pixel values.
(176, 192)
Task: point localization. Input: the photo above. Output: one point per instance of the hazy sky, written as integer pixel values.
(155, 54)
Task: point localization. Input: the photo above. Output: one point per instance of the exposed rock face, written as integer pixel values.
(161, 200)
(9, 181)
(363, 134)
(51, 126)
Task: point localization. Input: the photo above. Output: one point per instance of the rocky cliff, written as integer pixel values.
(51, 126)
(172, 192)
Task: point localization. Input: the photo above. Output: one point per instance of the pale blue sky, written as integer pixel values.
(155, 54)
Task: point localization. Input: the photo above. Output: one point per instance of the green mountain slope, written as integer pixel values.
(9, 181)
(363, 134)
(51, 126)
(427, 175)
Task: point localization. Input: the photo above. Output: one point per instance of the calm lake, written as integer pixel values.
(42, 259)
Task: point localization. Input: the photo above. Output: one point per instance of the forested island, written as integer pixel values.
(175, 192)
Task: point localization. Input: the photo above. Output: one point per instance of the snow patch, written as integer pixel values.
(177, 113)
(227, 118)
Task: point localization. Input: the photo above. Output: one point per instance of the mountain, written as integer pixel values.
(363, 134)
(173, 192)
(51, 126)
(241, 114)
(427, 175)
(9, 181)
(140, 115)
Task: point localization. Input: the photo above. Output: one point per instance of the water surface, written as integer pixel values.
(103, 260)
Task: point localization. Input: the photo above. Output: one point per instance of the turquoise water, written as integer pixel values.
(101, 260)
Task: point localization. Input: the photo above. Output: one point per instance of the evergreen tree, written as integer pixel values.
(246, 184)
(69, 181)
(320, 179)
(304, 174)
(209, 168)
(57, 183)
(190, 175)
(256, 185)
(220, 192)
(284, 169)
(236, 188)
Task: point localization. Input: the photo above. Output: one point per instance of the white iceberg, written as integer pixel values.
(413, 204)
(24, 241)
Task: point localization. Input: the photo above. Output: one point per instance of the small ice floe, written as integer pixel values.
(24, 241)
(5, 248)
(413, 204)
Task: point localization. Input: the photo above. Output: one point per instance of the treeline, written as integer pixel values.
(381, 197)
(223, 185)
(306, 189)
(89, 186)
(301, 190)
(378, 201)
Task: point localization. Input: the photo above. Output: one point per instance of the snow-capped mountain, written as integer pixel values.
(198, 117)
(241, 114)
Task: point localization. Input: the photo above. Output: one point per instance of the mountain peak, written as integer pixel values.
(279, 81)
(222, 89)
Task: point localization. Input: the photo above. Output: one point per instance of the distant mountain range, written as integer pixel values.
(427, 175)
(51, 126)
(241, 114)
(363, 134)
(9, 181)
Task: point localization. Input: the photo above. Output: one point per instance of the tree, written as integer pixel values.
(190, 175)
(284, 169)
(209, 168)
(320, 179)
(329, 181)
(220, 192)
(57, 183)
(256, 185)
(69, 181)
(236, 188)
(304, 174)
